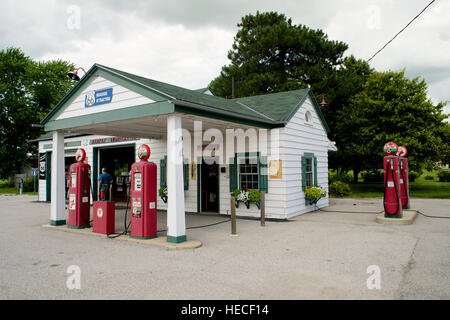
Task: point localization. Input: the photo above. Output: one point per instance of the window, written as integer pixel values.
(248, 172)
(308, 117)
(309, 172)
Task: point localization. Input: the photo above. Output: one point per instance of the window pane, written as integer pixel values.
(308, 164)
(309, 179)
(248, 173)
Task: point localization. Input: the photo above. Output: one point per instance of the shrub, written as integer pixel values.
(344, 177)
(339, 189)
(444, 175)
(412, 175)
(28, 185)
(6, 184)
(373, 176)
(429, 177)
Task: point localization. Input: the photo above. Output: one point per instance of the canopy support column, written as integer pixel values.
(58, 202)
(176, 223)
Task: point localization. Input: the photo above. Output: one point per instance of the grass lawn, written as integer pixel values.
(7, 190)
(420, 189)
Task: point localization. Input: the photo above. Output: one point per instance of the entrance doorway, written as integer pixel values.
(117, 161)
(209, 186)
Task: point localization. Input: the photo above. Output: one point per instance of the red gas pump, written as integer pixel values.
(79, 192)
(404, 182)
(392, 191)
(143, 196)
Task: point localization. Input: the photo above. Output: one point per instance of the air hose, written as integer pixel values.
(125, 226)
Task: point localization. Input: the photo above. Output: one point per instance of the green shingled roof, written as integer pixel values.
(174, 92)
(272, 110)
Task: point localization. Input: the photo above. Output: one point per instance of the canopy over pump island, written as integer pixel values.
(205, 149)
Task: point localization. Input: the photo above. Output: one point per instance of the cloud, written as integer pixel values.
(186, 42)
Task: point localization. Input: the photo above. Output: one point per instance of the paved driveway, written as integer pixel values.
(320, 255)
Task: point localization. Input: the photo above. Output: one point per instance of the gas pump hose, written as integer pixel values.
(125, 226)
(404, 187)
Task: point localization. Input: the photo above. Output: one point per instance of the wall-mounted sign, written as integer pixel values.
(192, 170)
(275, 169)
(42, 166)
(111, 140)
(97, 97)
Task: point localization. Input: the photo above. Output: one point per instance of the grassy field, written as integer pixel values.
(421, 187)
(5, 189)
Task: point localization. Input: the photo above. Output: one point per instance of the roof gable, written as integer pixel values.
(272, 110)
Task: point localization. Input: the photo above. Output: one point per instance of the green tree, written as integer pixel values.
(270, 54)
(345, 83)
(28, 90)
(391, 107)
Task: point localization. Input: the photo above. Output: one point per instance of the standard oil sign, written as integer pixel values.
(97, 97)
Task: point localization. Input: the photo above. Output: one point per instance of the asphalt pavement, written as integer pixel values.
(318, 255)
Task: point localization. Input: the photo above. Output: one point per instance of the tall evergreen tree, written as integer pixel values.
(271, 54)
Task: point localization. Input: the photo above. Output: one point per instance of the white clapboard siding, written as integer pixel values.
(297, 138)
(121, 98)
(274, 199)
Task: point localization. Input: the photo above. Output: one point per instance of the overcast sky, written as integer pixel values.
(185, 42)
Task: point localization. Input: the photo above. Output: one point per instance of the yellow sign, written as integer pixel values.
(192, 165)
(275, 171)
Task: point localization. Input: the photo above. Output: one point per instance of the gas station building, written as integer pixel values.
(194, 138)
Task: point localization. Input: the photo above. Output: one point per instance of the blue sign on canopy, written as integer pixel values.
(95, 98)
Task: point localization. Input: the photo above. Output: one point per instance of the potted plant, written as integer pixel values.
(314, 194)
(162, 192)
(247, 196)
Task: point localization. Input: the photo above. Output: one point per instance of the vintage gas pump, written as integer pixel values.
(392, 192)
(79, 192)
(143, 196)
(404, 182)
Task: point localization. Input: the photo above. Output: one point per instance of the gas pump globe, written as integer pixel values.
(390, 148)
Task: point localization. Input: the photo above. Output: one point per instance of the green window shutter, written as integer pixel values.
(162, 172)
(94, 174)
(303, 173)
(186, 175)
(315, 171)
(233, 174)
(263, 183)
(48, 176)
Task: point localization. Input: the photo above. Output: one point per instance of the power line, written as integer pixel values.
(373, 56)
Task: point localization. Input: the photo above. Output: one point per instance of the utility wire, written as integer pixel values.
(387, 43)
(373, 56)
